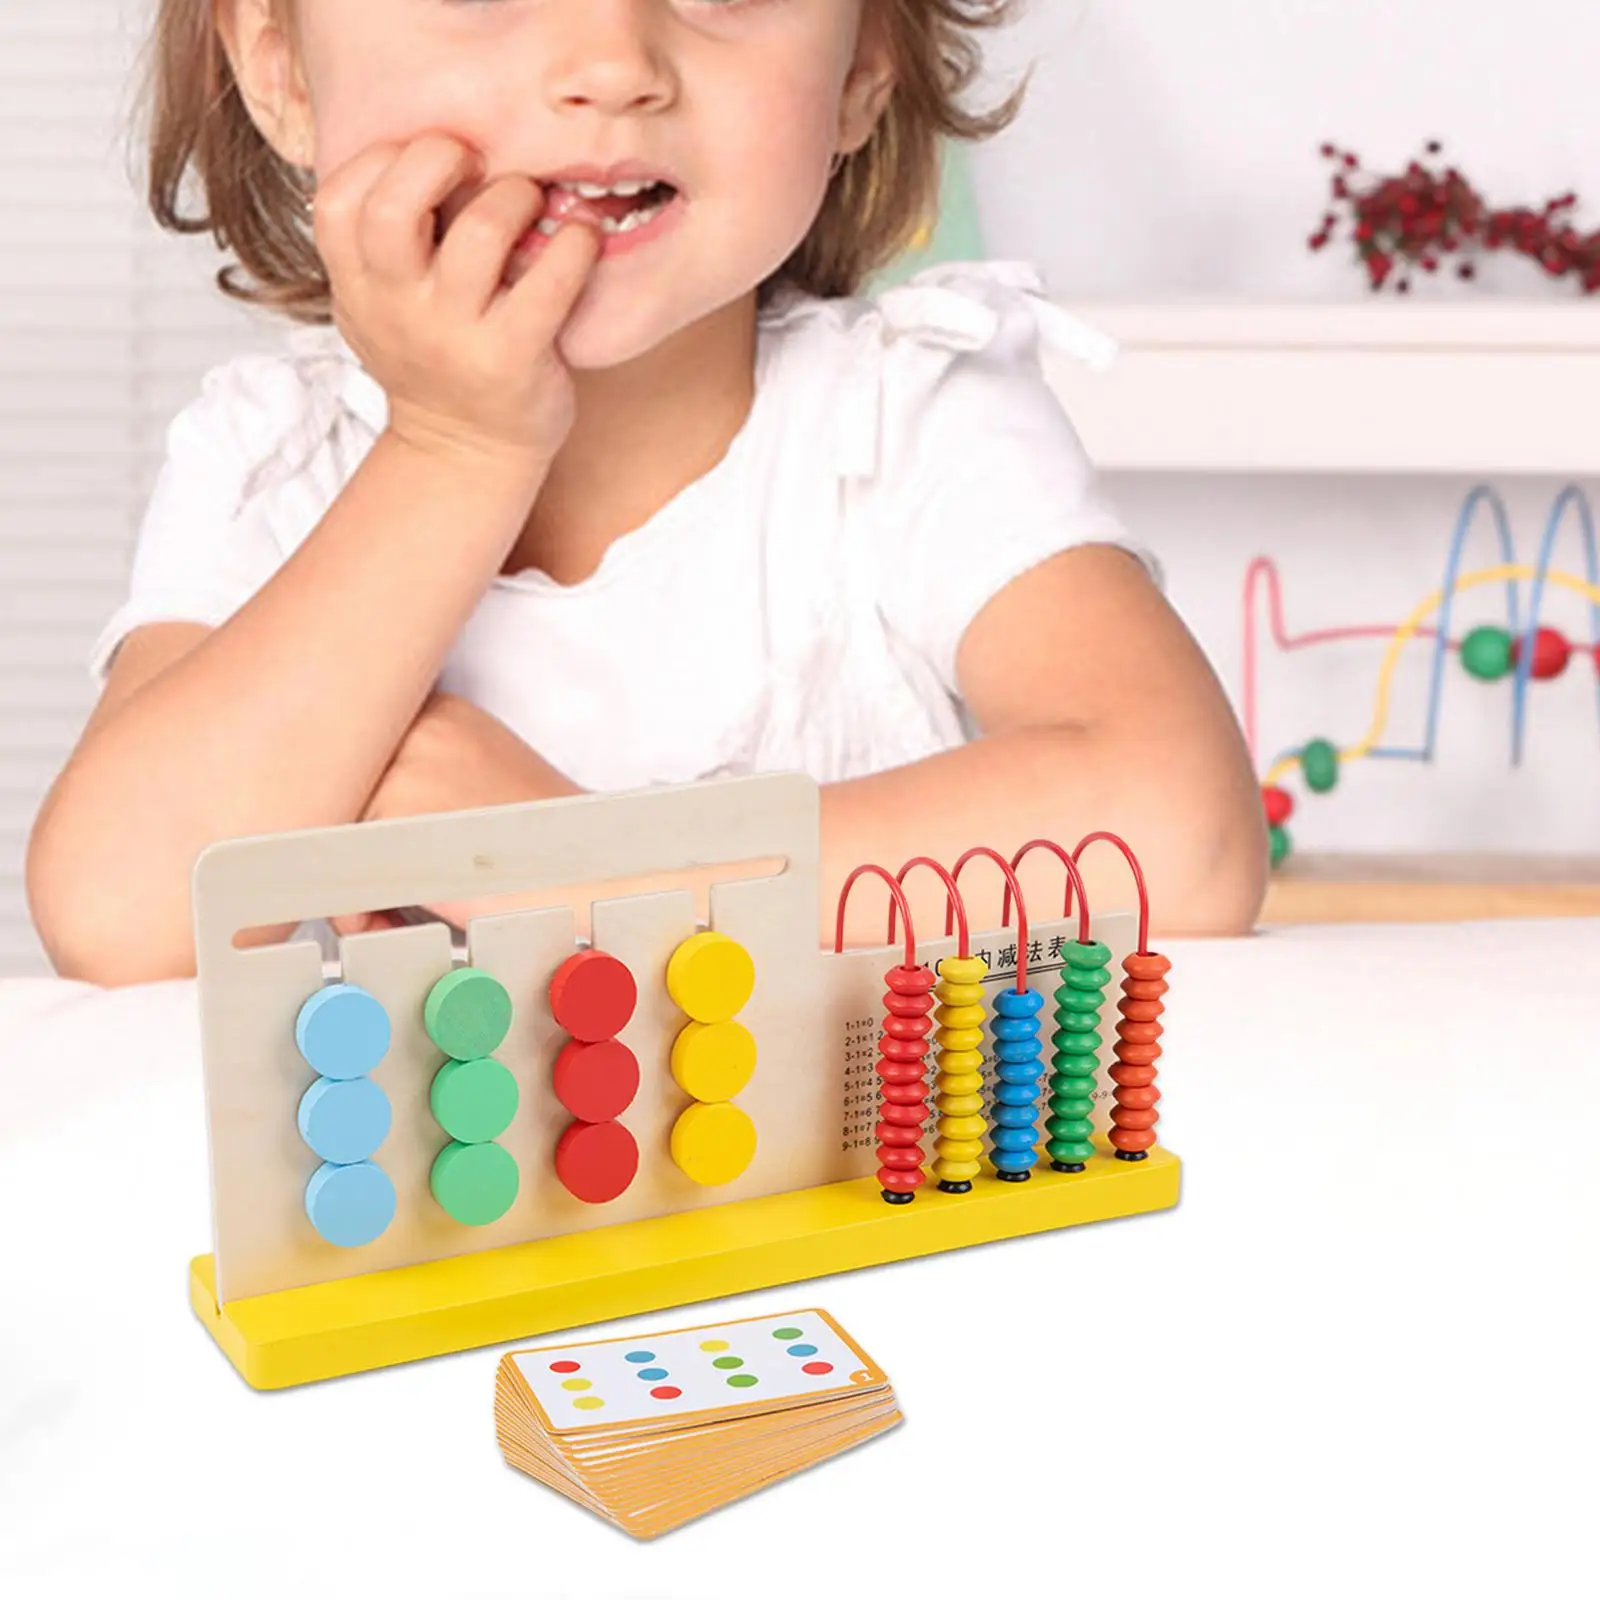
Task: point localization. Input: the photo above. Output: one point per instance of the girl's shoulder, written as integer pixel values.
(263, 415)
(951, 354)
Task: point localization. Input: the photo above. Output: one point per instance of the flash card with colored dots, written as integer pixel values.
(653, 1430)
(744, 1366)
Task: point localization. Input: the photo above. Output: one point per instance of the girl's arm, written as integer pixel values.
(1098, 710)
(280, 718)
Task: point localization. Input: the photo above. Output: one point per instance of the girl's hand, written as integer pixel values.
(455, 757)
(469, 365)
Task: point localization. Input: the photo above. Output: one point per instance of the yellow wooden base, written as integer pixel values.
(327, 1330)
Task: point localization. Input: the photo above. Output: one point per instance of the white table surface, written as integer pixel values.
(1359, 1359)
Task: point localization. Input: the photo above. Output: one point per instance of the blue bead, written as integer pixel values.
(1015, 1094)
(344, 1120)
(342, 1031)
(350, 1205)
(1016, 1050)
(1013, 1117)
(1008, 1003)
(1015, 1028)
(1015, 1160)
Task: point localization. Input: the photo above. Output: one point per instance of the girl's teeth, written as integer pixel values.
(594, 191)
(634, 219)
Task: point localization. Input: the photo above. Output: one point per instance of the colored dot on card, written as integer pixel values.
(713, 1344)
(651, 1374)
(588, 1402)
(563, 1366)
(817, 1368)
(742, 1380)
(639, 1357)
(802, 1349)
(787, 1333)
(576, 1383)
(727, 1362)
(665, 1392)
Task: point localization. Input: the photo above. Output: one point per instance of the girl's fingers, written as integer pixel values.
(397, 214)
(336, 211)
(535, 308)
(472, 258)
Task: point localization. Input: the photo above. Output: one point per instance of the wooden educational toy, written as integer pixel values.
(431, 1149)
(1525, 650)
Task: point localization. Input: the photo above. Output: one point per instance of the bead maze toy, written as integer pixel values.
(1527, 651)
(425, 1148)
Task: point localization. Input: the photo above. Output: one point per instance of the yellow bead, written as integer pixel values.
(962, 1128)
(961, 1061)
(959, 1016)
(956, 1171)
(962, 969)
(713, 1144)
(960, 1038)
(713, 1060)
(710, 976)
(960, 1105)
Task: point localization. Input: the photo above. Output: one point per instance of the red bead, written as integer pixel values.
(596, 1082)
(1551, 652)
(596, 1160)
(1279, 804)
(592, 995)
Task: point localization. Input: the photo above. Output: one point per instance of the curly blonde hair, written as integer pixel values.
(257, 206)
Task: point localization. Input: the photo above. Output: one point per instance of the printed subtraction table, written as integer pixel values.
(654, 1430)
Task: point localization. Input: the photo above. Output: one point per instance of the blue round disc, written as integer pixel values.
(342, 1031)
(350, 1205)
(344, 1119)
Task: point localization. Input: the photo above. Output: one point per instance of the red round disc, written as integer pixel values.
(593, 995)
(596, 1082)
(596, 1160)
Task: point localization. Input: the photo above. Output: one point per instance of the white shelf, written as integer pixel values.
(1486, 388)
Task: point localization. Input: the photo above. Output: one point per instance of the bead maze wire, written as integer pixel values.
(1527, 650)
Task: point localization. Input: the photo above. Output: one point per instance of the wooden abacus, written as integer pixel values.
(652, 1148)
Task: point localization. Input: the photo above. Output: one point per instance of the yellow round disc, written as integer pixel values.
(711, 977)
(713, 1060)
(713, 1144)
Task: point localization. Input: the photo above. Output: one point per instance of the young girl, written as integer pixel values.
(587, 470)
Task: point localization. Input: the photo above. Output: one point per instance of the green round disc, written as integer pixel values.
(475, 1183)
(467, 1013)
(1320, 763)
(1280, 842)
(473, 1101)
(1486, 653)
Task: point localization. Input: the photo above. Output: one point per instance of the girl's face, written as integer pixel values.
(740, 105)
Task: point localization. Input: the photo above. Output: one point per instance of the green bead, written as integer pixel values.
(1486, 653)
(1087, 956)
(475, 1183)
(1076, 1000)
(1280, 843)
(1319, 761)
(473, 1101)
(1070, 1152)
(1074, 1044)
(1088, 980)
(467, 1013)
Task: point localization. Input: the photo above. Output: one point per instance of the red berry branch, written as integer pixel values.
(1424, 216)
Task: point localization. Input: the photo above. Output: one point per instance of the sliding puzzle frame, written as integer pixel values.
(287, 1307)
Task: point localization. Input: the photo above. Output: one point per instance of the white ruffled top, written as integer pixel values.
(798, 607)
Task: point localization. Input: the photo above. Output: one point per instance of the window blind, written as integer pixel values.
(106, 326)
